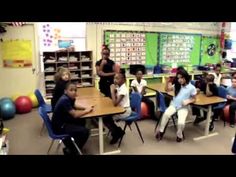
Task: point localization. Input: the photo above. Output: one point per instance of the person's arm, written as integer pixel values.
(77, 114)
(229, 97)
(189, 101)
(99, 69)
(134, 88)
(143, 92)
(192, 99)
(115, 99)
(69, 107)
(208, 91)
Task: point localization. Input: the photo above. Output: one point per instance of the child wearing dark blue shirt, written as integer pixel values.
(66, 120)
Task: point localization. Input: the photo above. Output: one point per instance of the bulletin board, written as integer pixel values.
(17, 53)
(127, 47)
(179, 48)
(150, 48)
(210, 52)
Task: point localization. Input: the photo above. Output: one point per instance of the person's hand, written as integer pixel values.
(104, 62)
(185, 102)
(229, 97)
(89, 109)
(198, 90)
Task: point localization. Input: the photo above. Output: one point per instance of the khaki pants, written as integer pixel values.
(182, 115)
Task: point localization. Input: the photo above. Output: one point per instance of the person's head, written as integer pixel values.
(224, 54)
(183, 77)
(62, 74)
(120, 78)
(180, 68)
(105, 53)
(139, 74)
(218, 69)
(70, 90)
(234, 82)
(234, 75)
(210, 78)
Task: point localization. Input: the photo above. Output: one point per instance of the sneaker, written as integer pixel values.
(232, 125)
(179, 139)
(198, 120)
(67, 151)
(117, 136)
(159, 136)
(211, 127)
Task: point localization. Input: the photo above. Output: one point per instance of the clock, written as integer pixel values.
(211, 49)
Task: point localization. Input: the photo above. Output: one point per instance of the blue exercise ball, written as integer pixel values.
(7, 109)
(5, 98)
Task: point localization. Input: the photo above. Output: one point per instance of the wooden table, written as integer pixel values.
(201, 101)
(103, 106)
(88, 92)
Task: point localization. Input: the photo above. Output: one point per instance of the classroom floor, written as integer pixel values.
(25, 139)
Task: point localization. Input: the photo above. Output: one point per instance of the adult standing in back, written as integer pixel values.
(105, 69)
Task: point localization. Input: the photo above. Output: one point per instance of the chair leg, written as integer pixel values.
(50, 147)
(73, 141)
(156, 127)
(58, 146)
(130, 127)
(173, 119)
(42, 128)
(139, 131)
(122, 136)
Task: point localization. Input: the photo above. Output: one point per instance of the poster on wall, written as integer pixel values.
(17, 53)
(127, 47)
(54, 36)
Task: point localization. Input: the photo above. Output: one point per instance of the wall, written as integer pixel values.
(95, 31)
(23, 80)
(19, 80)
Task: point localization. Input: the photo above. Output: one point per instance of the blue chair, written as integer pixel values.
(222, 92)
(43, 114)
(193, 82)
(135, 103)
(161, 105)
(47, 107)
(41, 101)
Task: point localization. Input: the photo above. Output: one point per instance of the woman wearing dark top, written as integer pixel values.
(105, 69)
(62, 77)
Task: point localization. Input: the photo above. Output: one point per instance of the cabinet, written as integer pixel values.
(80, 65)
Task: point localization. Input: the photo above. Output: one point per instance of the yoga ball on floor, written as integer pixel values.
(7, 109)
(144, 110)
(33, 99)
(226, 113)
(23, 104)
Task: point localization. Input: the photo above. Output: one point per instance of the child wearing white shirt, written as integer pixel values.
(120, 97)
(139, 85)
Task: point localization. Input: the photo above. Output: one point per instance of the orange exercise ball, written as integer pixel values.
(226, 113)
(144, 111)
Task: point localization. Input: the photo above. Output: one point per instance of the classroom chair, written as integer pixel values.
(135, 103)
(43, 114)
(222, 92)
(42, 103)
(161, 106)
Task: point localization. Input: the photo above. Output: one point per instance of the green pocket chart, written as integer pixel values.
(132, 47)
(210, 52)
(181, 49)
(151, 48)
